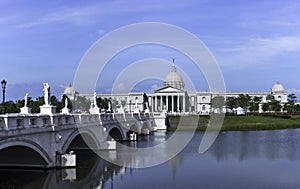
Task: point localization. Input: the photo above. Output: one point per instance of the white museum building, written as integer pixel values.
(174, 99)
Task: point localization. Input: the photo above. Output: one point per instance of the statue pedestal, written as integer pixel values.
(94, 110)
(136, 111)
(25, 110)
(65, 111)
(47, 109)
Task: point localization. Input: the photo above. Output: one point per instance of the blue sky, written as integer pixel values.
(255, 42)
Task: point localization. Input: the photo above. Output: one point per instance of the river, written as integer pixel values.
(248, 159)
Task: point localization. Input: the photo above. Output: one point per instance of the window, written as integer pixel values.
(203, 108)
(203, 98)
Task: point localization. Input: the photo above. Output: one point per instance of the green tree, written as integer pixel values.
(254, 104)
(243, 101)
(297, 108)
(232, 102)
(102, 103)
(290, 105)
(272, 104)
(81, 104)
(10, 107)
(55, 102)
(20, 104)
(276, 106)
(265, 107)
(35, 105)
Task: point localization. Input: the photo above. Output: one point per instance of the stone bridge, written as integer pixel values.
(45, 140)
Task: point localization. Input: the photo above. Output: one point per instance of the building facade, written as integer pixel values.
(174, 99)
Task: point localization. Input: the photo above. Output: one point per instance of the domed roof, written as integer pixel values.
(277, 87)
(174, 79)
(69, 90)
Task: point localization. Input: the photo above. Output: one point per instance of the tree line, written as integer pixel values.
(252, 103)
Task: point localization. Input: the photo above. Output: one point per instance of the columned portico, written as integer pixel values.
(171, 98)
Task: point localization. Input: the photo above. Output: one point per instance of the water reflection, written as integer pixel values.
(92, 172)
(279, 144)
(252, 159)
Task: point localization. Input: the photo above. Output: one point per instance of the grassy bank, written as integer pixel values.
(238, 123)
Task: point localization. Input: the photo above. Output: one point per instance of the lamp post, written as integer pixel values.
(3, 84)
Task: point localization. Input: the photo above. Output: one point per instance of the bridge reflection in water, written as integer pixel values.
(91, 172)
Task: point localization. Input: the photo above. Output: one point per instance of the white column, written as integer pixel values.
(161, 106)
(172, 103)
(167, 102)
(151, 103)
(177, 103)
(183, 102)
(155, 103)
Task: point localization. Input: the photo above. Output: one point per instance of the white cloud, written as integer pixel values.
(62, 86)
(76, 16)
(120, 87)
(154, 87)
(101, 32)
(258, 50)
(295, 91)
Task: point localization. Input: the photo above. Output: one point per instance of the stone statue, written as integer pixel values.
(26, 100)
(95, 100)
(136, 103)
(136, 108)
(109, 106)
(46, 93)
(66, 103)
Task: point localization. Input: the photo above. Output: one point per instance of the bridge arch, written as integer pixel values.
(38, 157)
(146, 126)
(115, 132)
(133, 128)
(81, 140)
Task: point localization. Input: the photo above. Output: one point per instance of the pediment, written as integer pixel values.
(169, 89)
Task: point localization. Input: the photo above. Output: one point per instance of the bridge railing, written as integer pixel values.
(19, 121)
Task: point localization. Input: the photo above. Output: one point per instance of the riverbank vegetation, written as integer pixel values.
(241, 123)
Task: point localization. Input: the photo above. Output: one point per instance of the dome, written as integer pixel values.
(277, 88)
(69, 90)
(174, 79)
